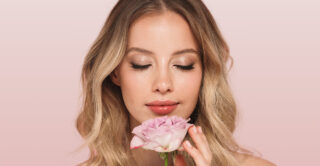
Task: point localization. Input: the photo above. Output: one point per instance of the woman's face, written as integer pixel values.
(156, 42)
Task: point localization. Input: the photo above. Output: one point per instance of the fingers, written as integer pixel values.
(206, 149)
(196, 155)
(201, 141)
(201, 153)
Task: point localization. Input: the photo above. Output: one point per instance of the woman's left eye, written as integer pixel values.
(189, 67)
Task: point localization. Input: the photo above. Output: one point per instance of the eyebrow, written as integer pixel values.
(187, 50)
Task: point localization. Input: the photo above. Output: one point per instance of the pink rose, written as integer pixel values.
(163, 134)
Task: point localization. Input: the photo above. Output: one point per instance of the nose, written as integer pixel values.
(163, 82)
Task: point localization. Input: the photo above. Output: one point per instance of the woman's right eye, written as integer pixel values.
(139, 67)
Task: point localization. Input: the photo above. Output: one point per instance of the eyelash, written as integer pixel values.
(139, 67)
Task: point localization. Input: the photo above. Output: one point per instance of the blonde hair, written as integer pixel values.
(103, 121)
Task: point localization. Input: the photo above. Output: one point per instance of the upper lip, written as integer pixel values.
(158, 102)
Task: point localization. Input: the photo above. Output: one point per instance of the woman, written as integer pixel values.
(159, 52)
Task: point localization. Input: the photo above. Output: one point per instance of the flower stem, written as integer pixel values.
(164, 156)
(166, 159)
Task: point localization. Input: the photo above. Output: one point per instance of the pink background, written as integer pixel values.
(275, 78)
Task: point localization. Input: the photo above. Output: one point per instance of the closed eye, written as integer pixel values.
(189, 67)
(139, 67)
(142, 67)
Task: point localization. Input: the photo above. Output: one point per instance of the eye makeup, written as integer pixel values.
(139, 67)
(142, 67)
(188, 67)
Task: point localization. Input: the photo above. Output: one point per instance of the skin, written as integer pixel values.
(162, 79)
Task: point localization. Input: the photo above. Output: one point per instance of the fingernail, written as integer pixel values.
(200, 129)
(194, 129)
(188, 144)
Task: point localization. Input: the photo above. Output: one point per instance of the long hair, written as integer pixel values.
(104, 120)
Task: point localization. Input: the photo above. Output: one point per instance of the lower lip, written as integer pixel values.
(162, 110)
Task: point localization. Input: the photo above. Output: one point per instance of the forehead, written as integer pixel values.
(161, 32)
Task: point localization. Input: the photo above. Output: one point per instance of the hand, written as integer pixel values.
(201, 154)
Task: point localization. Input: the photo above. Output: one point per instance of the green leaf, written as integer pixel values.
(163, 155)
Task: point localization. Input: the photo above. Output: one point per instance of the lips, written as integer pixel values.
(162, 107)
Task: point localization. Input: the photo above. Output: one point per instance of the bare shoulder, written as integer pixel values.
(249, 160)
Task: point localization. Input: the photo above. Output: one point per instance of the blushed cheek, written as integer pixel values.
(133, 87)
(189, 82)
(188, 89)
(192, 87)
(193, 92)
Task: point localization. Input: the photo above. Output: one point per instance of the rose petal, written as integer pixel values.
(163, 140)
(136, 142)
(163, 134)
(151, 145)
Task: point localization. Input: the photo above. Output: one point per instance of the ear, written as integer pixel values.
(115, 77)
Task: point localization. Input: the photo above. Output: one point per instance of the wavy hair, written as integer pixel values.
(103, 121)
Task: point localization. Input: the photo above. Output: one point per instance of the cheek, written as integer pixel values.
(133, 86)
(188, 87)
(131, 81)
(134, 89)
(189, 83)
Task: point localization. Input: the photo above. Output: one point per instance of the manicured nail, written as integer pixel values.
(194, 129)
(200, 129)
(188, 144)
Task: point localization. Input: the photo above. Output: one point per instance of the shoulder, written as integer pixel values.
(249, 160)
